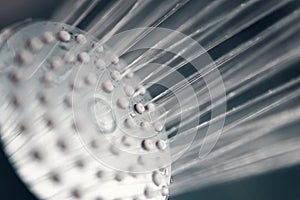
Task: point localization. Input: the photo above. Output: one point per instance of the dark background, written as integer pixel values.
(280, 184)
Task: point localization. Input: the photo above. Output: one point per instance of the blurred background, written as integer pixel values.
(280, 184)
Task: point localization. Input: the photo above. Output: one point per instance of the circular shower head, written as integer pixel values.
(72, 124)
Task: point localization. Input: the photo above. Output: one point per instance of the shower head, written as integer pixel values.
(72, 124)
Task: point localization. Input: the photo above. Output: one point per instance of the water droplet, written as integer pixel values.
(104, 117)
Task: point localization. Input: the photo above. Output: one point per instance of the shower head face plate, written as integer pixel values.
(72, 123)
